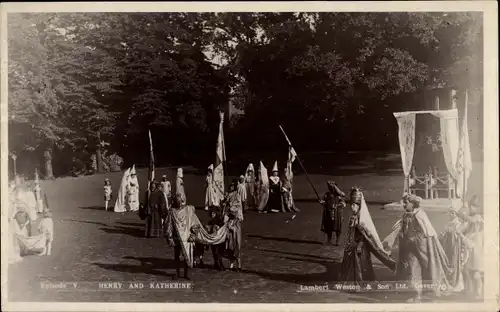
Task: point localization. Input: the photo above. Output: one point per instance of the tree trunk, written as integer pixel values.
(98, 154)
(47, 155)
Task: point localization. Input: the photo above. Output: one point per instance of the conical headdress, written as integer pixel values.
(275, 167)
(179, 173)
(356, 195)
(250, 167)
(211, 167)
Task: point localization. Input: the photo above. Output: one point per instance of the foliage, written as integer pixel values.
(76, 76)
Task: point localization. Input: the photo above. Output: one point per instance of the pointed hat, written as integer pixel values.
(179, 173)
(211, 167)
(275, 167)
(250, 167)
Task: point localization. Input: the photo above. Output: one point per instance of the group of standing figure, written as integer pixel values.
(413, 250)
(257, 192)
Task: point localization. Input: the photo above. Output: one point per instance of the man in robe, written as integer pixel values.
(175, 240)
(179, 186)
(262, 188)
(234, 223)
(333, 212)
(156, 210)
(361, 242)
(242, 191)
(166, 189)
(288, 201)
(210, 194)
(275, 202)
(250, 202)
(420, 256)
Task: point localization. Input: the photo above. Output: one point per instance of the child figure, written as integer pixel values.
(107, 193)
(46, 227)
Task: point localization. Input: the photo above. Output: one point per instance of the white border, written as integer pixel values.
(491, 186)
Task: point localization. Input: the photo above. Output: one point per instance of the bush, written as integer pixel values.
(110, 163)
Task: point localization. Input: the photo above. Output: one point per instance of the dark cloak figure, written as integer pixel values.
(215, 223)
(156, 210)
(362, 241)
(275, 202)
(173, 237)
(333, 212)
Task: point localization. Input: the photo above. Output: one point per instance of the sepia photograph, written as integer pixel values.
(249, 156)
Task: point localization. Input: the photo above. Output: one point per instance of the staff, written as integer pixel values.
(300, 162)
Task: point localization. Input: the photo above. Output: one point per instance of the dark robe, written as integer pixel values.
(214, 224)
(156, 209)
(357, 264)
(333, 214)
(275, 196)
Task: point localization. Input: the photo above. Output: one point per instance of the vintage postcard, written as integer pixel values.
(231, 156)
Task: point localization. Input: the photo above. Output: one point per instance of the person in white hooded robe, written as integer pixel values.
(262, 188)
(133, 191)
(211, 198)
(179, 187)
(121, 198)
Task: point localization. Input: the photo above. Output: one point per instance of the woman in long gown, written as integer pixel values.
(362, 241)
(455, 249)
(275, 203)
(474, 241)
(262, 189)
(250, 187)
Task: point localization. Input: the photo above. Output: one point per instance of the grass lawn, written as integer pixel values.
(94, 245)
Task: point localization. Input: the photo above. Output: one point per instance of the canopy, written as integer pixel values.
(450, 141)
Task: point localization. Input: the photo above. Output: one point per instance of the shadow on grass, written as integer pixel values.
(123, 230)
(284, 239)
(97, 208)
(131, 223)
(88, 222)
(152, 266)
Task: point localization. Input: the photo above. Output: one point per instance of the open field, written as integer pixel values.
(94, 245)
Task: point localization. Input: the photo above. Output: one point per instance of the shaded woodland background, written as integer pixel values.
(83, 84)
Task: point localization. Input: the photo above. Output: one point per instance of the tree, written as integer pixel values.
(56, 85)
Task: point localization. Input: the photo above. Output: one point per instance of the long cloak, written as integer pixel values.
(275, 201)
(420, 255)
(121, 198)
(333, 213)
(262, 195)
(156, 210)
(234, 225)
(456, 251)
(250, 187)
(184, 222)
(363, 237)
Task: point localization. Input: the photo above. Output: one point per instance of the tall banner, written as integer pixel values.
(151, 174)
(220, 159)
(291, 158)
(464, 161)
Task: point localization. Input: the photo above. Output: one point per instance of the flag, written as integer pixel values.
(220, 158)
(464, 161)
(291, 158)
(151, 175)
